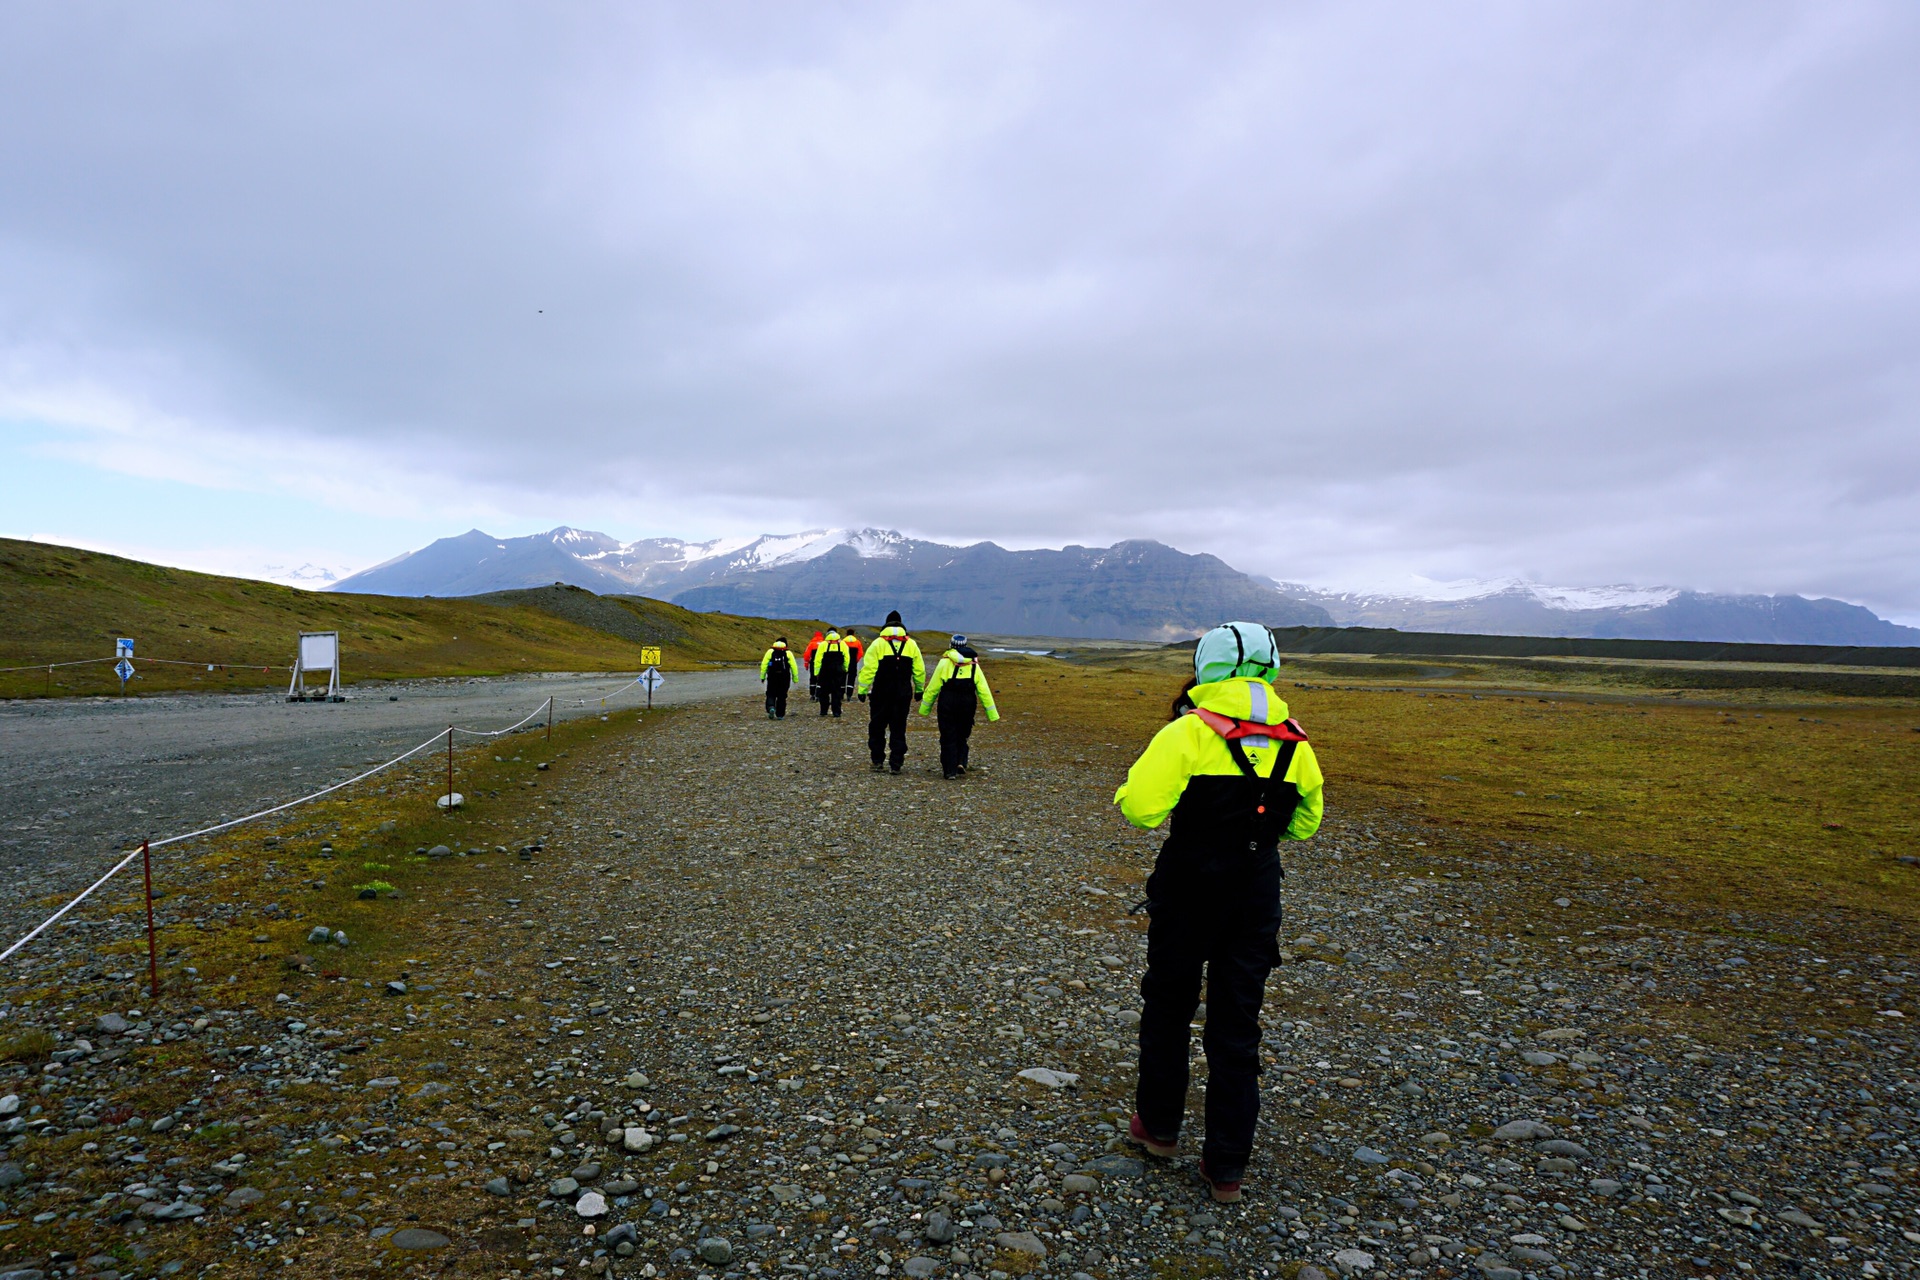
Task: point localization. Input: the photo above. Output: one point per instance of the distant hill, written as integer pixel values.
(1624, 613)
(202, 631)
(1132, 590)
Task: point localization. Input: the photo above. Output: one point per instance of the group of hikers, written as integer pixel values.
(889, 675)
(1231, 774)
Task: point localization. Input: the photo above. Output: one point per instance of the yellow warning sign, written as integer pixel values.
(650, 655)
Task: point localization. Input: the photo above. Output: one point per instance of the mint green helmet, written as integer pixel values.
(1237, 649)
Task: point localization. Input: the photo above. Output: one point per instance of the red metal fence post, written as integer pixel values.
(153, 955)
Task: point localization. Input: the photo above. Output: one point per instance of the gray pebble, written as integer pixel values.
(1523, 1131)
(418, 1238)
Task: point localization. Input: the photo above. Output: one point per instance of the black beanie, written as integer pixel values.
(893, 618)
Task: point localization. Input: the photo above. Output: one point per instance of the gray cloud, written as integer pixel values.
(1596, 293)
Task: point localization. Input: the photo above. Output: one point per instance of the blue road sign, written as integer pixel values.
(124, 670)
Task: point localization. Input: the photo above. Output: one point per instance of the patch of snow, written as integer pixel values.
(311, 576)
(1410, 587)
(882, 543)
(792, 548)
(1617, 597)
(1450, 591)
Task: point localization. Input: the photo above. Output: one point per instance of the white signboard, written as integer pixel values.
(319, 651)
(123, 648)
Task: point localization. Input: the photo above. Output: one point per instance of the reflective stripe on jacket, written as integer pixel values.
(1190, 749)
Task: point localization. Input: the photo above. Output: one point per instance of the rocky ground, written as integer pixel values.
(730, 1004)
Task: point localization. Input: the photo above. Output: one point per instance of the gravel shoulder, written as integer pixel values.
(727, 1003)
(83, 778)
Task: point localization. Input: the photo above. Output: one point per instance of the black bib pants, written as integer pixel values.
(955, 715)
(889, 703)
(831, 687)
(779, 681)
(1214, 913)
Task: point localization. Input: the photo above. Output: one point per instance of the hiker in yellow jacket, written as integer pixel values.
(891, 677)
(1237, 777)
(778, 670)
(830, 668)
(957, 688)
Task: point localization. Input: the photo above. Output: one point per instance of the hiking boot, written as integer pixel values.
(877, 766)
(1138, 1135)
(894, 769)
(1224, 1192)
(951, 775)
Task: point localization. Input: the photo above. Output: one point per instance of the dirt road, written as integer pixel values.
(80, 778)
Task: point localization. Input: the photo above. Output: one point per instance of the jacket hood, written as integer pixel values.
(1236, 649)
(1243, 699)
(893, 631)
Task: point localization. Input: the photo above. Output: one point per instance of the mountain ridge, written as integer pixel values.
(1620, 613)
(1138, 590)
(1133, 590)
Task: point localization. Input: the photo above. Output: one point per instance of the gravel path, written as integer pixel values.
(752, 1009)
(82, 777)
(901, 948)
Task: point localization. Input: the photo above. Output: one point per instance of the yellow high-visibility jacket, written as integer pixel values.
(832, 644)
(1189, 766)
(892, 642)
(793, 663)
(954, 666)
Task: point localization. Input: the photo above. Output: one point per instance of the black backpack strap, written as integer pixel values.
(1281, 764)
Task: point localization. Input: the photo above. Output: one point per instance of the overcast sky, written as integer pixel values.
(1345, 292)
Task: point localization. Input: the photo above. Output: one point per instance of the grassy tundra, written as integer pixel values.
(58, 604)
(1793, 807)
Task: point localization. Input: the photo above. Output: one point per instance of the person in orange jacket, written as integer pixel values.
(806, 660)
(859, 651)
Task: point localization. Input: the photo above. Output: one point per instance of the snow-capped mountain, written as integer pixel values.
(313, 577)
(1514, 607)
(1132, 590)
(477, 562)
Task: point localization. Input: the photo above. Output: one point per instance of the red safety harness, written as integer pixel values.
(1234, 730)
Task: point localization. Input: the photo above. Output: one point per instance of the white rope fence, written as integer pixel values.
(147, 847)
(482, 733)
(137, 662)
(602, 698)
